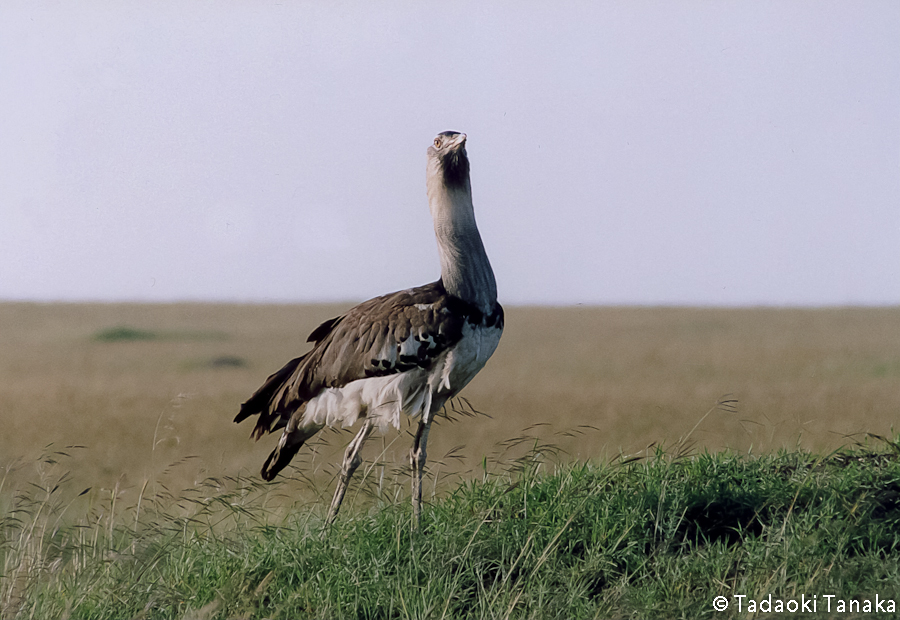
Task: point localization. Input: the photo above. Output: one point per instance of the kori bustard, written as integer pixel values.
(406, 353)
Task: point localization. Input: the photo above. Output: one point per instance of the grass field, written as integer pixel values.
(122, 470)
(666, 536)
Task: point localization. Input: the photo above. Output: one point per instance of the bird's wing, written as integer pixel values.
(385, 335)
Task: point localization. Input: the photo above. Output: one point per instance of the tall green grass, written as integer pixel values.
(656, 535)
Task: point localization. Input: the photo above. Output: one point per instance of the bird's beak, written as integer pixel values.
(461, 140)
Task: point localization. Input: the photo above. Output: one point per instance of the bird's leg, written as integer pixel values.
(417, 458)
(351, 462)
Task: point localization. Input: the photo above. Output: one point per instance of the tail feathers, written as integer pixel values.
(263, 401)
(289, 444)
(278, 460)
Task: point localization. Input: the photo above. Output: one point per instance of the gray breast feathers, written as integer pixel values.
(385, 335)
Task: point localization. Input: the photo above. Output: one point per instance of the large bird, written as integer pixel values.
(406, 353)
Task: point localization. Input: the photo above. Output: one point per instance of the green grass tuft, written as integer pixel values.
(653, 537)
(124, 333)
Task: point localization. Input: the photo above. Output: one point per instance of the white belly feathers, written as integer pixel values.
(411, 392)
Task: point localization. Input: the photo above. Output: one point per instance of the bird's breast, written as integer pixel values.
(468, 356)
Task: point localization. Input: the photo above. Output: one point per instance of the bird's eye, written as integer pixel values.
(437, 143)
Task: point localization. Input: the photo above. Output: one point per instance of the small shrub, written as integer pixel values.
(124, 333)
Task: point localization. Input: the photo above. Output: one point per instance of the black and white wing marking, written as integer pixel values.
(386, 335)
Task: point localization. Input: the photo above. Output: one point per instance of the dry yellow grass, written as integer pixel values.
(637, 375)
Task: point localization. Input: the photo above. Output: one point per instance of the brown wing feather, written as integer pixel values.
(364, 342)
(261, 399)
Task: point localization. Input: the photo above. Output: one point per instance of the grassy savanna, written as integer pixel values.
(159, 513)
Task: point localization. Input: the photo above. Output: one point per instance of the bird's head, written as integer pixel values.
(447, 159)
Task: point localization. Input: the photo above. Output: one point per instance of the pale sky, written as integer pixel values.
(704, 153)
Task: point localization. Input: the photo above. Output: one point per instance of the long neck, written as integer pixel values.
(465, 269)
